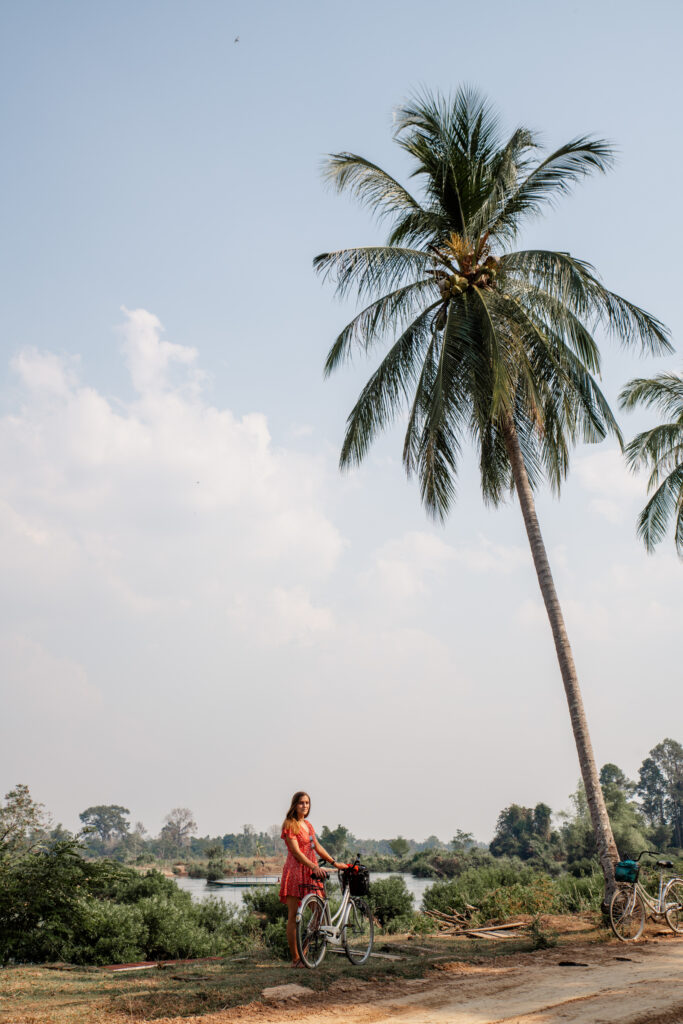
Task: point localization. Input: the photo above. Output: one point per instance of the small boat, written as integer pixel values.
(246, 881)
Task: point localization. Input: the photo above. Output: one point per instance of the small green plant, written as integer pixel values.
(541, 938)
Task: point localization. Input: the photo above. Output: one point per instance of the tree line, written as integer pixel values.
(646, 812)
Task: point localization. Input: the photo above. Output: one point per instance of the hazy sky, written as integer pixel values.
(197, 609)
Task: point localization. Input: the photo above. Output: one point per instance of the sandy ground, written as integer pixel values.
(638, 984)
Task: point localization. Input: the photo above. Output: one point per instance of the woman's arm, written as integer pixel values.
(293, 848)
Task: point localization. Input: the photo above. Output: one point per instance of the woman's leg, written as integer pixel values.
(292, 904)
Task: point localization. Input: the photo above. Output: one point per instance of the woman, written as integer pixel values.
(301, 873)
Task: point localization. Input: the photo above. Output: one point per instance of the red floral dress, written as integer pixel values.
(297, 879)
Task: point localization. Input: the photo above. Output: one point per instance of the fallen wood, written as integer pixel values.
(500, 927)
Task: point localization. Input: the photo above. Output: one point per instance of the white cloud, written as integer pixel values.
(159, 496)
(282, 616)
(404, 568)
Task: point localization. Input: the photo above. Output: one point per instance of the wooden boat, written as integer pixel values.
(246, 881)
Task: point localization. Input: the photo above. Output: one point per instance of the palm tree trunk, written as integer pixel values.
(607, 850)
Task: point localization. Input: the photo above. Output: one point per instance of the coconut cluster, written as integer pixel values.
(451, 285)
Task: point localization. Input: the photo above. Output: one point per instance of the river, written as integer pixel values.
(199, 890)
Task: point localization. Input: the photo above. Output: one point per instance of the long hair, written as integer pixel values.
(291, 820)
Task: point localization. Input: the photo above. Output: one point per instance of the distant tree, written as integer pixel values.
(612, 775)
(660, 787)
(399, 846)
(431, 843)
(521, 831)
(461, 841)
(24, 824)
(541, 821)
(107, 820)
(629, 828)
(336, 841)
(178, 828)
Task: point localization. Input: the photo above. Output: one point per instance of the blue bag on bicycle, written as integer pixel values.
(627, 871)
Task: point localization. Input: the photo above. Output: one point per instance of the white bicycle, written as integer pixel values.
(631, 904)
(351, 927)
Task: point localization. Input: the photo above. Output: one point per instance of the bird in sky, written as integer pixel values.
(236, 39)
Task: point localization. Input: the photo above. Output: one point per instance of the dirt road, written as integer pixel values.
(640, 984)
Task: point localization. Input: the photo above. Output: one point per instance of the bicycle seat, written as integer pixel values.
(664, 864)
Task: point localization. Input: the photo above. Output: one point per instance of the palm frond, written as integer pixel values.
(659, 446)
(550, 179)
(387, 390)
(663, 392)
(666, 503)
(368, 183)
(371, 269)
(574, 283)
(372, 323)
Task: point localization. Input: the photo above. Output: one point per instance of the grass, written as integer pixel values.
(61, 994)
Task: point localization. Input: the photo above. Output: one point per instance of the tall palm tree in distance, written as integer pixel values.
(488, 345)
(661, 451)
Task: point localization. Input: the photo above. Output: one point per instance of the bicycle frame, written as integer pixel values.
(655, 904)
(332, 925)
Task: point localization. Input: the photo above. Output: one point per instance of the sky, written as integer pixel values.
(196, 608)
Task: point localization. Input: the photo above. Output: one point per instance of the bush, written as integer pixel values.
(504, 888)
(265, 900)
(275, 938)
(577, 895)
(57, 906)
(108, 933)
(389, 899)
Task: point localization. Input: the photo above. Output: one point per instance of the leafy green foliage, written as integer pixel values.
(499, 890)
(338, 842)
(389, 899)
(481, 338)
(660, 450)
(522, 831)
(109, 821)
(23, 824)
(660, 788)
(399, 846)
(54, 905)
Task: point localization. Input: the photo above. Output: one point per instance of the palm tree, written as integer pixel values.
(661, 451)
(490, 345)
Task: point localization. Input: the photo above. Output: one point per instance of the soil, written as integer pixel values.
(641, 983)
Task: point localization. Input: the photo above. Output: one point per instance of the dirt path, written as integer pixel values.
(535, 988)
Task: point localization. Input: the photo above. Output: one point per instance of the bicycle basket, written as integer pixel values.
(357, 877)
(627, 871)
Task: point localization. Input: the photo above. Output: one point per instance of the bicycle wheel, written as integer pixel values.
(673, 901)
(310, 941)
(359, 931)
(627, 914)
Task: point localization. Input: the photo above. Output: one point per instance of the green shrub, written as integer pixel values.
(196, 869)
(389, 899)
(577, 895)
(265, 900)
(54, 905)
(108, 933)
(541, 938)
(275, 938)
(501, 889)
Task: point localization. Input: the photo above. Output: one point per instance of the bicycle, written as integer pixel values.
(351, 927)
(630, 903)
